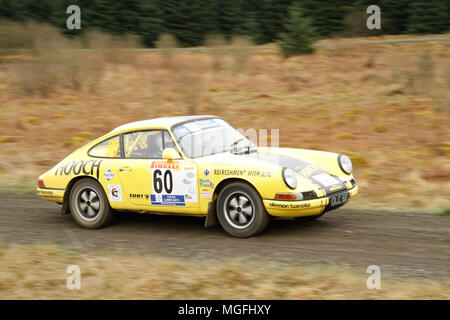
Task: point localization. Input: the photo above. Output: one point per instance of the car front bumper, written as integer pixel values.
(283, 208)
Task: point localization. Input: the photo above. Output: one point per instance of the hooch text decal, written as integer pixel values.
(86, 167)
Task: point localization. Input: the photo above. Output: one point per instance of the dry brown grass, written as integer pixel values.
(46, 62)
(39, 272)
(387, 105)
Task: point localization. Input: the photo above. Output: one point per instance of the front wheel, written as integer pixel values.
(89, 205)
(240, 210)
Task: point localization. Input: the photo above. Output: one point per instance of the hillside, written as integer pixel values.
(385, 105)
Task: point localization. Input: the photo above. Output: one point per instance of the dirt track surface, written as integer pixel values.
(410, 245)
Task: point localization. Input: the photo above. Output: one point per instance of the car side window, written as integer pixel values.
(143, 144)
(109, 148)
(146, 144)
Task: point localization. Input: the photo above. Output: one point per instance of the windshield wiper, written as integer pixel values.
(249, 149)
(234, 144)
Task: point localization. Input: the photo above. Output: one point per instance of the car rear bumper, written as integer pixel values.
(283, 208)
(50, 194)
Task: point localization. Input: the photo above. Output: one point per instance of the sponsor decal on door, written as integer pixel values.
(115, 192)
(173, 184)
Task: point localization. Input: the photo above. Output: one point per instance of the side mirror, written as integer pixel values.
(170, 154)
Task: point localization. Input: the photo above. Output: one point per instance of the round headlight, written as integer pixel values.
(290, 178)
(345, 163)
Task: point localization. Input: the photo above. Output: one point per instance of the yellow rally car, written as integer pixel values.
(200, 166)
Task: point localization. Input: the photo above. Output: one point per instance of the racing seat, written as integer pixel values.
(154, 146)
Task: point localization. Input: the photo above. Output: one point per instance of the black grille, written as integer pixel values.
(308, 195)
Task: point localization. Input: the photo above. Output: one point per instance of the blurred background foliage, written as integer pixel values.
(191, 21)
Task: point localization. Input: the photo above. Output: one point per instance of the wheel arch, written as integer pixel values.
(211, 217)
(222, 184)
(65, 204)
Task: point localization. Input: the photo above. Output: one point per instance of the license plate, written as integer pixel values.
(339, 199)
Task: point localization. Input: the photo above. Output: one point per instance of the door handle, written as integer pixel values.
(125, 169)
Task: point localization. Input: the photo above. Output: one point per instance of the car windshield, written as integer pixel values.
(210, 136)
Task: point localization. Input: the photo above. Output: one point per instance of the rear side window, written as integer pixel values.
(143, 144)
(109, 148)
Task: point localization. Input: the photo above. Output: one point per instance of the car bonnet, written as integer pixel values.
(305, 169)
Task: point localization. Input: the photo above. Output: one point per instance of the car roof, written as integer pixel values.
(165, 122)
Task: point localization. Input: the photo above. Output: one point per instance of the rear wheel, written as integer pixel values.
(240, 210)
(89, 205)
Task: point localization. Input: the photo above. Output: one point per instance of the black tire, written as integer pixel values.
(234, 205)
(89, 204)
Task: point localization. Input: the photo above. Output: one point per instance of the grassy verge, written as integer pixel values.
(39, 272)
(19, 187)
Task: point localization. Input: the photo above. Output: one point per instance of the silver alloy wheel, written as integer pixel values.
(89, 203)
(239, 210)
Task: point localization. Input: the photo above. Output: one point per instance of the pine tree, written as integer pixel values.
(14, 10)
(268, 20)
(151, 23)
(428, 16)
(42, 10)
(122, 17)
(299, 35)
(394, 15)
(229, 17)
(188, 20)
(327, 16)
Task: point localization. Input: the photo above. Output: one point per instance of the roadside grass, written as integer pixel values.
(385, 105)
(40, 272)
(18, 187)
